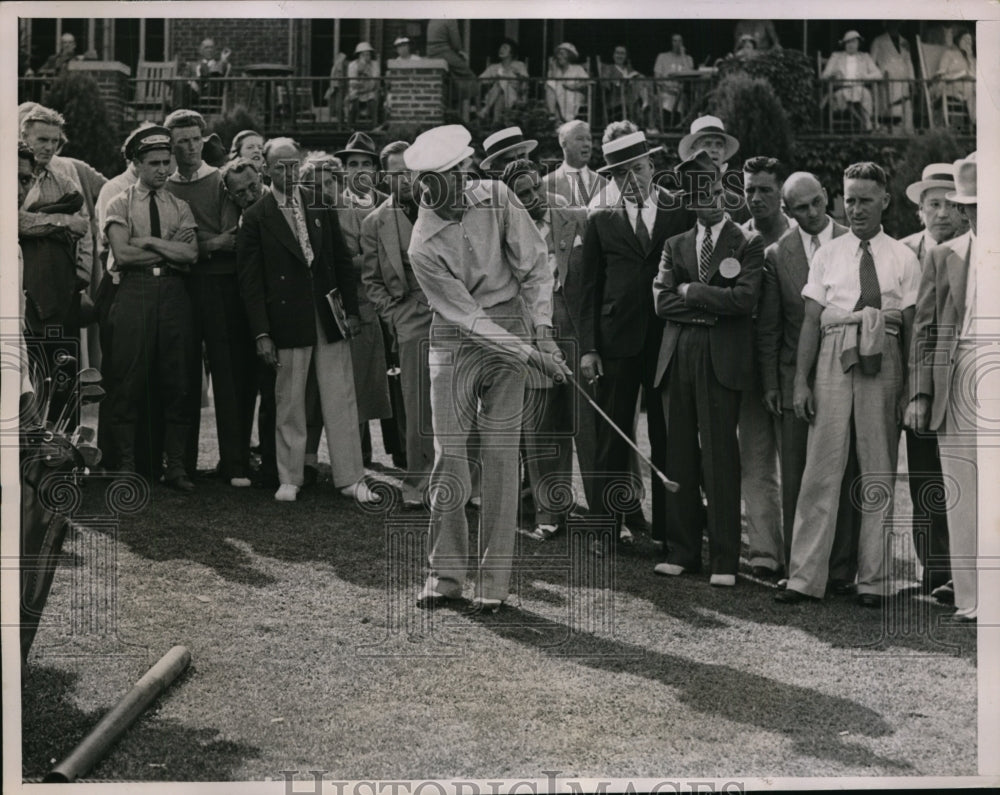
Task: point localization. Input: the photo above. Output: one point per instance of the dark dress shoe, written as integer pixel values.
(435, 601)
(842, 588)
(310, 476)
(180, 483)
(945, 594)
(790, 597)
(483, 607)
(764, 573)
(871, 600)
(638, 523)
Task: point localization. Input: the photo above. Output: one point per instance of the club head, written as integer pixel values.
(91, 455)
(91, 393)
(84, 434)
(89, 375)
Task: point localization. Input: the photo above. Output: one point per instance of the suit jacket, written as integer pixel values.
(723, 304)
(351, 217)
(280, 290)
(937, 323)
(917, 243)
(782, 309)
(568, 186)
(383, 273)
(616, 303)
(569, 227)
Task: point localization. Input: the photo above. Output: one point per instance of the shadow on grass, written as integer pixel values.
(152, 750)
(816, 723)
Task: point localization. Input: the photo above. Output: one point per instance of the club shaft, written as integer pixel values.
(669, 484)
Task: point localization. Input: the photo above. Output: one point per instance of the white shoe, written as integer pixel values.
(723, 580)
(360, 492)
(286, 493)
(668, 569)
(240, 483)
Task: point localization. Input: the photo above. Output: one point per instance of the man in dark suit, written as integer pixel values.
(782, 308)
(706, 290)
(619, 330)
(550, 417)
(291, 254)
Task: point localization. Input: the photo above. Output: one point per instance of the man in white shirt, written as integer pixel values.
(943, 362)
(574, 179)
(860, 299)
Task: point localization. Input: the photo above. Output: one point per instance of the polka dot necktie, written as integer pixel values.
(871, 292)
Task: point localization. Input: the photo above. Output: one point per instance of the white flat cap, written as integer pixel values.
(439, 149)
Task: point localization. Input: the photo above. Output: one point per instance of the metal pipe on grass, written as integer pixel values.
(113, 725)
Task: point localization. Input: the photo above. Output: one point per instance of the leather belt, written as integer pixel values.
(155, 270)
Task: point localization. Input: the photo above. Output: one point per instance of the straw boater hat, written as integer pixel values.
(569, 48)
(965, 181)
(439, 149)
(363, 46)
(359, 144)
(706, 125)
(936, 175)
(508, 140)
(626, 149)
(851, 34)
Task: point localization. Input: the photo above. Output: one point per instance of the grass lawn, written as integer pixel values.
(309, 654)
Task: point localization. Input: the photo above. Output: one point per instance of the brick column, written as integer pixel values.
(112, 78)
(417, 92)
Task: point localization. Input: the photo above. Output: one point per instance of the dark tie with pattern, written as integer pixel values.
(871, 292)
(641, 232)
(154, 216)
(705, 257)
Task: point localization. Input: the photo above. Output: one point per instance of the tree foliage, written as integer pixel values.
(792, 75)
(92, 139)
(752, 113)
(233, 122)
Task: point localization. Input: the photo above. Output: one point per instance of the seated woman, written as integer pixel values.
(956, 74)
(509, 77)
(566, 85)
(363, 84)
(848, 69)
(670, 92)
(626, 94)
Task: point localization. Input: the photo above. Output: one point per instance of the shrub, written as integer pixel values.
(91, 137)
(752, 114)
(236, 120)
(792, 75)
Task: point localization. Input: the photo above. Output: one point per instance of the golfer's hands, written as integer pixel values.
(591, 366)
(552, 364)
(772, 401)
(267, 351)
(805, 404)
(917, 413)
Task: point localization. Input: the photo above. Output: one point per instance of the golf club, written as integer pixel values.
(91, 455)
(84, 434)
(668, 484)
(86, 394)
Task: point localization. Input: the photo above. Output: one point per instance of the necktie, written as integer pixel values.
(154, 216)
(814, 246)
(641, 233)
(871, 292)
(705, 257)
(300, 229)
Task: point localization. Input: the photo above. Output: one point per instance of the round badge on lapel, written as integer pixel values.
(316, 221)
(730, 268)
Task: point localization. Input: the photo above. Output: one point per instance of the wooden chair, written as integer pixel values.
(951, 107)
(153, 90)
(850, 120)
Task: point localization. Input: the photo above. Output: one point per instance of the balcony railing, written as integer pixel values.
(294, 105)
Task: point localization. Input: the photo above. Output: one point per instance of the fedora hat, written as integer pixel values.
(439, 149)
(696, 190)
(359, 144)
(508, 140)
(936, 175)
(624, 150)
(965, 181)
(706, 125)
(363, 46)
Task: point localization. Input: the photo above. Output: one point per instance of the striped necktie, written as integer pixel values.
(705, 257)
(641, 232)
(871, 292)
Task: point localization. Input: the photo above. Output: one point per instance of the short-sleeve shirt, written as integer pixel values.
(130, 208)
(834, 274)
